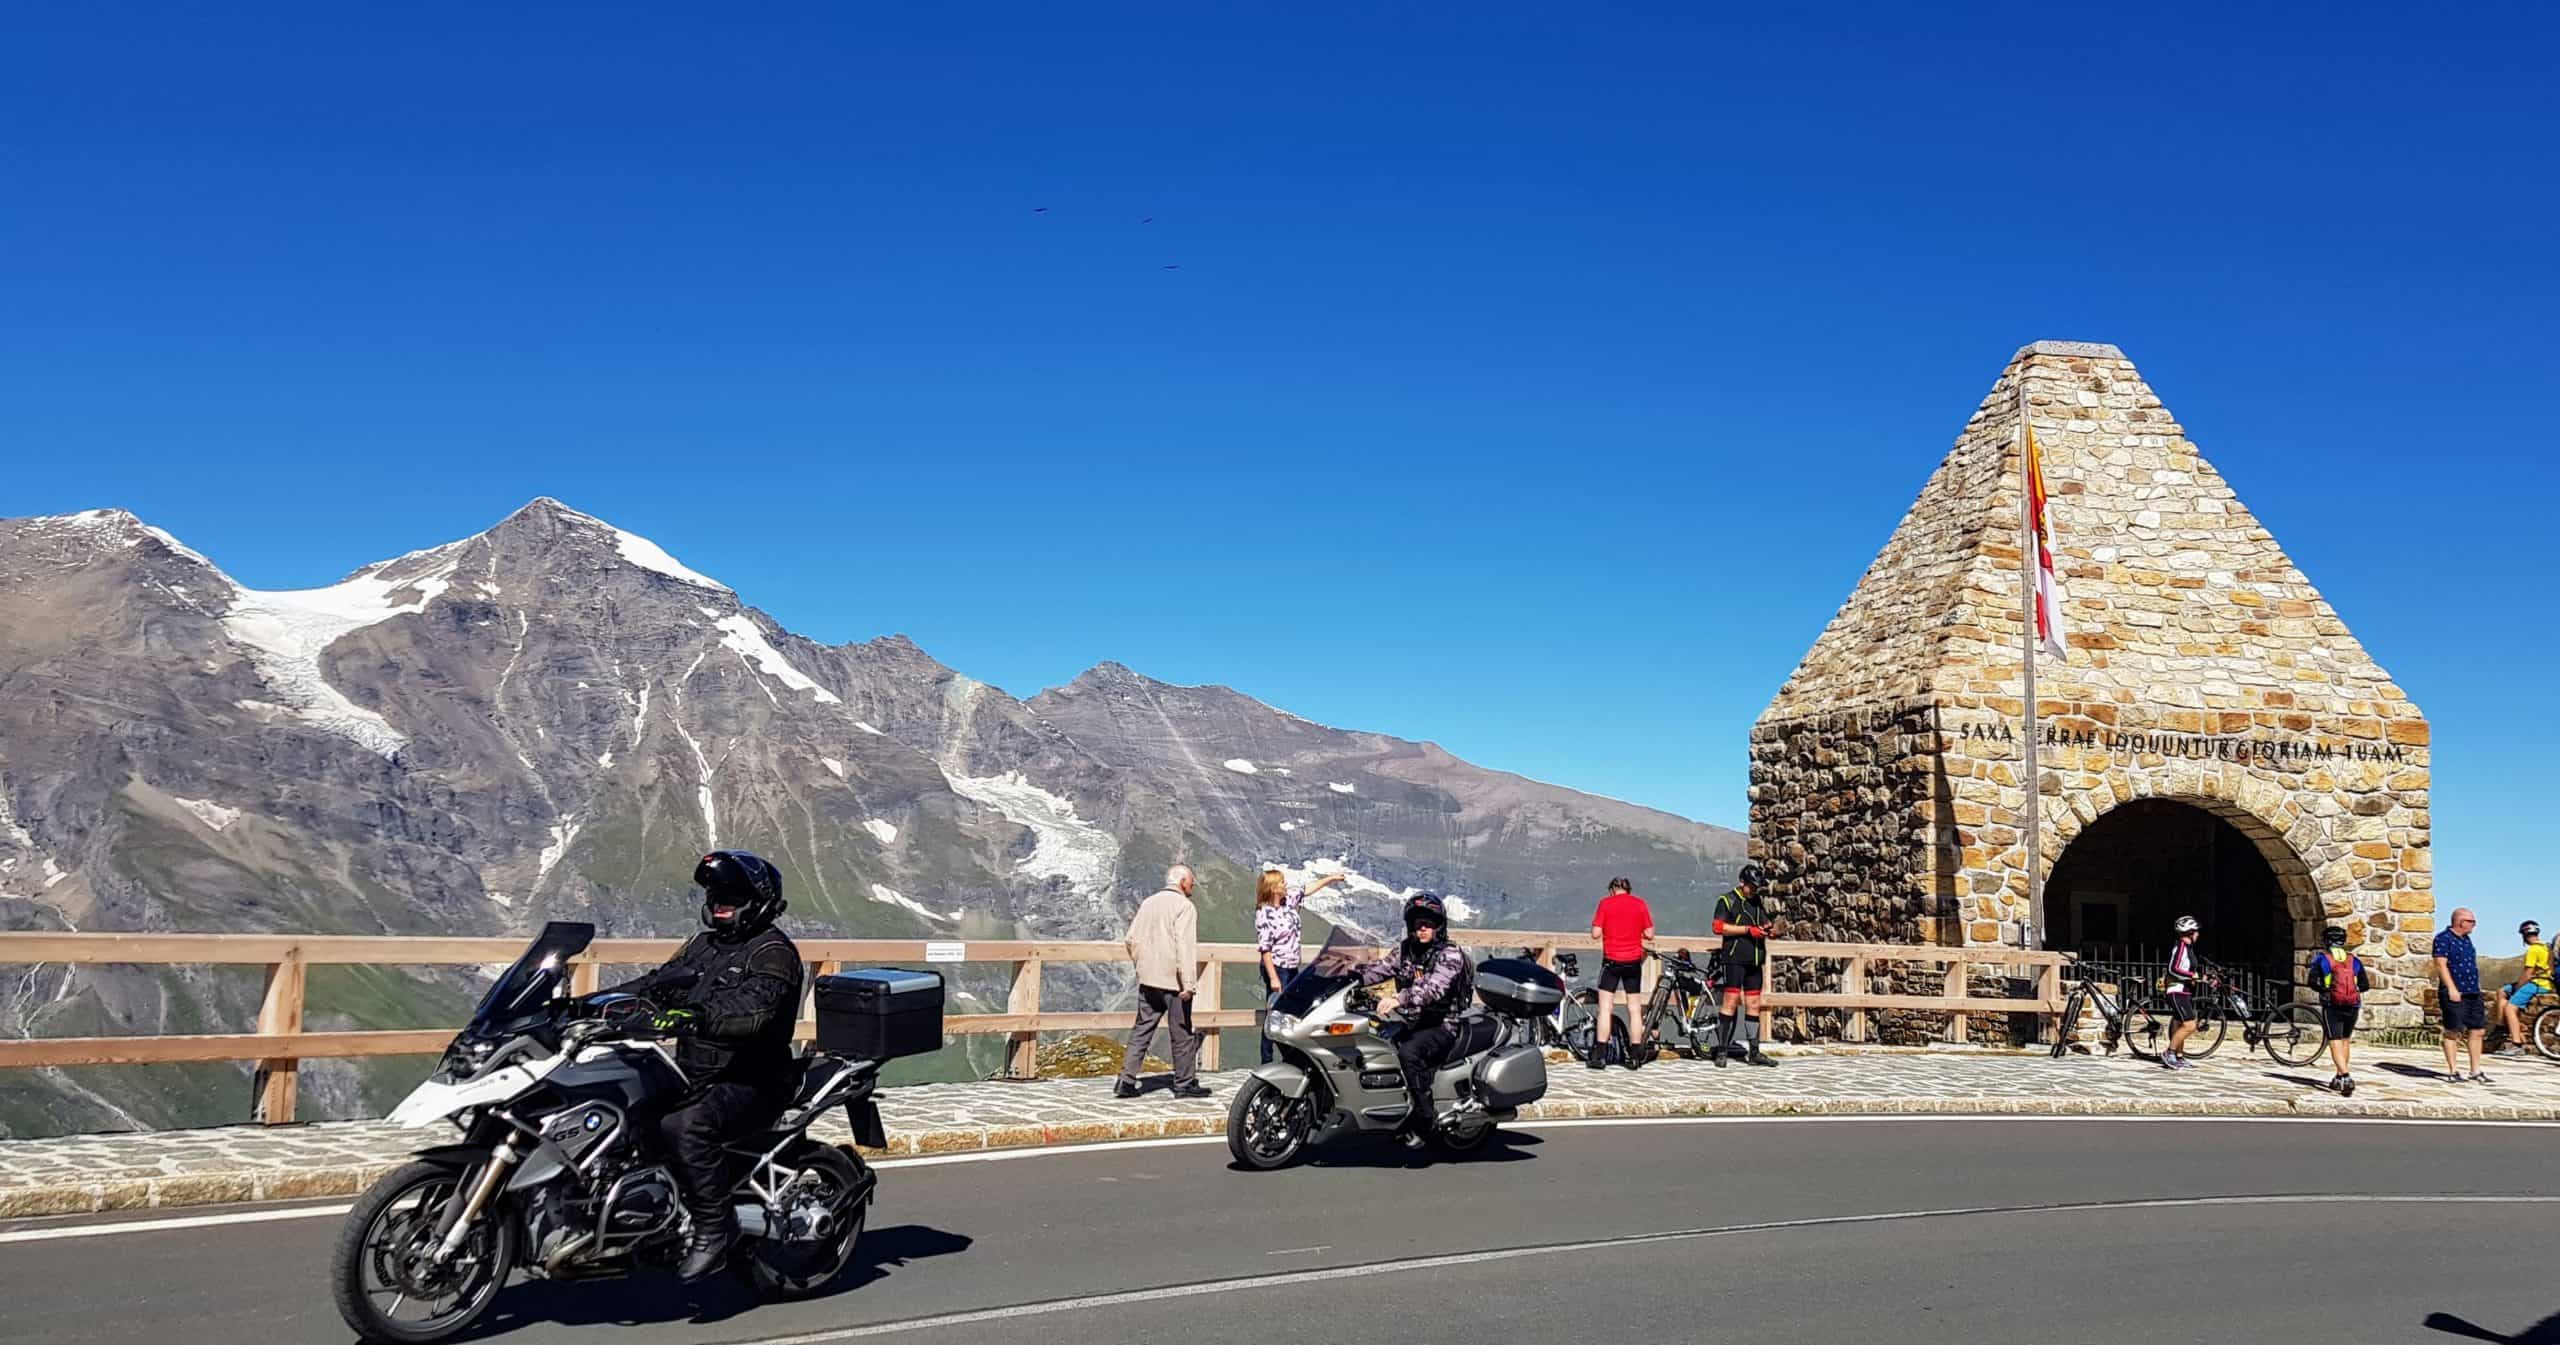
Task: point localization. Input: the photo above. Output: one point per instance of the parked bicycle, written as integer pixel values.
(2130, 1016)
(1683, 1005)
(2293, 1033)
(1575, 1025)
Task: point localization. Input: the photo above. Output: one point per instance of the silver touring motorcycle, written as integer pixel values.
(1337, 1073)
(555, 1166)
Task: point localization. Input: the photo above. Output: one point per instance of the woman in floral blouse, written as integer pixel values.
(1275, 930)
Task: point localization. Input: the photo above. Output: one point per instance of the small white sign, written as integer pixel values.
(946, 952)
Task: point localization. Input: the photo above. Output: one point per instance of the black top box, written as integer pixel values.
(880, 1013)
(1518, 987)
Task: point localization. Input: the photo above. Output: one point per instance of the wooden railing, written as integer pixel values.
(280, 1044)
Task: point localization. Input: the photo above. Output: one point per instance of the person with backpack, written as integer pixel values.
(2341, 980)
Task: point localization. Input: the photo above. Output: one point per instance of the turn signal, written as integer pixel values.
(1339, 1029)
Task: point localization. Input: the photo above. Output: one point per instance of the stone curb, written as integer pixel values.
(112, 1194)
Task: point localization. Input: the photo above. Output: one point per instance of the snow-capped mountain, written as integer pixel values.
(554, 717)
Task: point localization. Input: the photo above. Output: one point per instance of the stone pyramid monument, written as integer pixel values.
(2202, 667)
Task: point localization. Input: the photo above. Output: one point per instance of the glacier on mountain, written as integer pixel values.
(738, 632)
(285, 632)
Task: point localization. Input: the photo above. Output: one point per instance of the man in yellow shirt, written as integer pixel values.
(2535, 981)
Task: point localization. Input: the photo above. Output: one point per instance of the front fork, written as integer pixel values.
(460, 1213)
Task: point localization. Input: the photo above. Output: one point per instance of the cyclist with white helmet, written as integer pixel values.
(2535, 980)
(2185, 967)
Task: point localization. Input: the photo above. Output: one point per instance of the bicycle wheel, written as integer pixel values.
(2295, 1034)
(2213, 1023)
(2065, 1027)
(2146, 1025)
(1706, 1030)
(1659, 1009)
(2546, 1034)
(1581, 1023)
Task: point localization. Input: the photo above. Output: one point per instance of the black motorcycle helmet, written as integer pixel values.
(1751, 877)
(1426, 909)
(741, 893)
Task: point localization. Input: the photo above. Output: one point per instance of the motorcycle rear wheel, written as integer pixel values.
(780, 1271)
(384, 1233)
(1266, 1128)
(1460, 1144)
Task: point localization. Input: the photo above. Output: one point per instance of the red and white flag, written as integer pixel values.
(2040, 529)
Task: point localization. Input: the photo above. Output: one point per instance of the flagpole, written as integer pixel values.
(2027, 575)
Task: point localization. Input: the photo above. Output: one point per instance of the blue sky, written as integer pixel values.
(1533, 381)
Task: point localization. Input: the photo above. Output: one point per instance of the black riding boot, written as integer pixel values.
(706, 1246)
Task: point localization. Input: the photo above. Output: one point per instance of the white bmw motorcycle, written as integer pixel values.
(555, 1168)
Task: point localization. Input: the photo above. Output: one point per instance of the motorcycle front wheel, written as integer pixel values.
(1267, 1128)
(381, 1265)
(828, 1184)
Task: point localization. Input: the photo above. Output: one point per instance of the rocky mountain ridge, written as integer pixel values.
(552, 717)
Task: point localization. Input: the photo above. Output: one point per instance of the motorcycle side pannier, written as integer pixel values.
(1519, 988)
(880, 1013)
(1514, 1076)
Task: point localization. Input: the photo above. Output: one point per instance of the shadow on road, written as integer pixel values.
(2412, 1071)
(656, 1297)
(1383, 1152)
(2544, 1332)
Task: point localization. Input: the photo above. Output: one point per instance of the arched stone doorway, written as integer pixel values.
(2118, 885)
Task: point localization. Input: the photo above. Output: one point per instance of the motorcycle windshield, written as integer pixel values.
(1334, 966)
(529, 985)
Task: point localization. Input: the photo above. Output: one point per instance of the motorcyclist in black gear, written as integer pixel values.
(729, 997)
(1434, 983)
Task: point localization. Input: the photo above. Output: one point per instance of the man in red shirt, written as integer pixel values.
(1624, 927)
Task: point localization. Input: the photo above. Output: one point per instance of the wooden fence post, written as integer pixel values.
(1853, 981)
(1022, 1056)
(281, 1012)
(1208, 999)
(586, 977)
(2049, 989)
(809, 974)
(1959, 987)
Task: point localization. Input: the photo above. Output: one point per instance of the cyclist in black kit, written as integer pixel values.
(1742, 921)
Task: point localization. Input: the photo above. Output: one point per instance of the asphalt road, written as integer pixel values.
(1919, 1231)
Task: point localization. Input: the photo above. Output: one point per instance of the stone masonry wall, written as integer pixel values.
(1837, 807)
(2202, 667)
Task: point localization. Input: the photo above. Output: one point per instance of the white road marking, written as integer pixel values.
(1287, 1279)
(57, 1232)
(166, 1225)
(1997, 1118)
(1302, 1251)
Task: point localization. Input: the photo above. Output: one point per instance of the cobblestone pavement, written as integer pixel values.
(78, 1174)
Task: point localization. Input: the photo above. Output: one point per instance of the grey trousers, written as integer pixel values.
(1171, 1009)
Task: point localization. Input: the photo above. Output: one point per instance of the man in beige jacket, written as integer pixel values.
(1164, 942)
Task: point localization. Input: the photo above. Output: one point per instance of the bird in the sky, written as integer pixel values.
(1039, 210)
(1173, 268)
(1148, 220)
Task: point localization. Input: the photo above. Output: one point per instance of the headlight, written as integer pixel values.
(1274, 1025)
